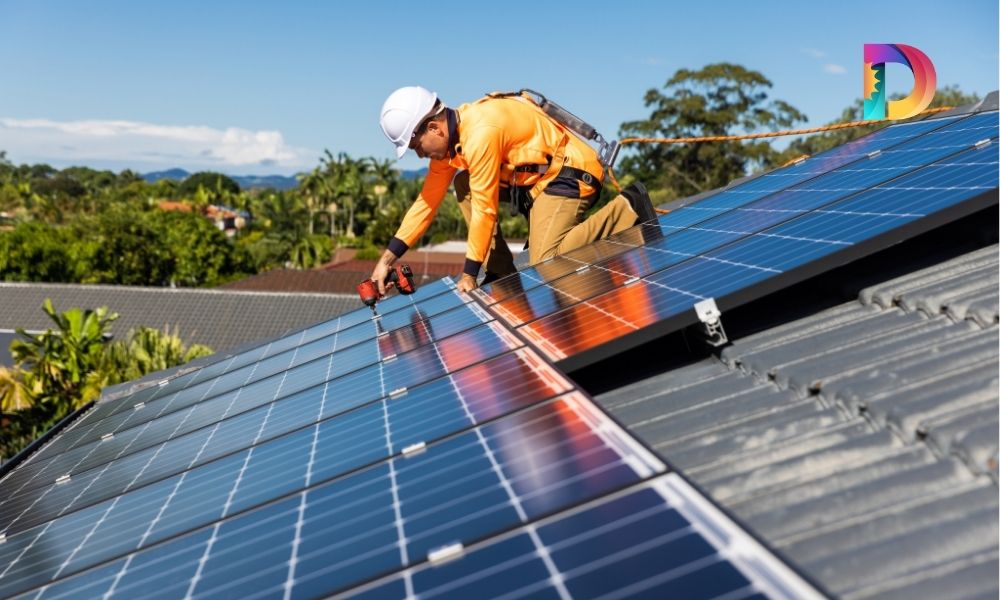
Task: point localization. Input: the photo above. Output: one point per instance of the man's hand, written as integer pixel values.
(382, 268)
(466, 283)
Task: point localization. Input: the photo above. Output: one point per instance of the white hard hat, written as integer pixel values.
(403, 110)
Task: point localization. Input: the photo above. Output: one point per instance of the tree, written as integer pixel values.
(719, 99)
(146, 350)
(310, 251)
(62, 369)
(208, 180)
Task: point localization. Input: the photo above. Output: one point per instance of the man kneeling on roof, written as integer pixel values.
(504, 148)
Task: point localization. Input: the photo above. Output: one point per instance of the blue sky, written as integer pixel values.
(263, 87)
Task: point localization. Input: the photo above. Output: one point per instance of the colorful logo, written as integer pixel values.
(924, 81)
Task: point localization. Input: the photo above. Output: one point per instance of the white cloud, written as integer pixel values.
(834, 69)
(814, 53)
(147, 145)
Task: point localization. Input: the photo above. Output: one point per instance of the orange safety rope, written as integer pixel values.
(747, 136)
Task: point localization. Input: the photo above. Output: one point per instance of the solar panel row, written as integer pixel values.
(836, 214)
(856, 151)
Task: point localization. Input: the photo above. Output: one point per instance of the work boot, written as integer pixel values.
(638, 199)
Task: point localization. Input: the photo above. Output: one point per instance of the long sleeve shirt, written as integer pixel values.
(495, 135)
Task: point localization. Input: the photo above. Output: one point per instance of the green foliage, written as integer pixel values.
(310, 251)
(213, 182)
(147, 350)
(719, 99)
(61, 369)
(33, 251)
(120, 246)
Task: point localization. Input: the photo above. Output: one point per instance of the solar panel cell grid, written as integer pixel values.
(636, 543)
(463, 488)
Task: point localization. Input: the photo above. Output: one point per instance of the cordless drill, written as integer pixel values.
(401, 276)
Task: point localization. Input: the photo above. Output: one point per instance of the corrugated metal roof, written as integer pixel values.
(862, 441)
(217, 318)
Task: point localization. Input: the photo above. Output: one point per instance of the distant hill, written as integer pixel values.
(249, 182)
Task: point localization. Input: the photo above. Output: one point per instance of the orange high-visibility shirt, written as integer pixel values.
(495, 135)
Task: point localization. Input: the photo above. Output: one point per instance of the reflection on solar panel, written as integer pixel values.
(741, 243)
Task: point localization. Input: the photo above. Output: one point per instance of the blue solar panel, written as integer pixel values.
(857, 223)
(724, 200)
(680, 238)
(22, 508)
(262, 368)
(297, 504)
(646, 542)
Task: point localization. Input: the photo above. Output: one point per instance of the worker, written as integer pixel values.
(505, 146)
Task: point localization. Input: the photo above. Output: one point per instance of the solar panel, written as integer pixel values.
(184, 390)
(310, 494)
(646, 285)
(659, 539)
(216, 433)
(721, 201)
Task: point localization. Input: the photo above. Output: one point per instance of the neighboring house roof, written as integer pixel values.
(220, 319)
(292, 280)
(336, 279)
(428, 270)
(861, 441)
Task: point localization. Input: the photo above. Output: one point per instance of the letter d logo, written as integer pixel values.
(924, 81)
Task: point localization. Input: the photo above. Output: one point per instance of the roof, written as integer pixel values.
(220, 319)
(860, 441)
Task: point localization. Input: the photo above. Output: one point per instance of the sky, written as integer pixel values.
(263, 87)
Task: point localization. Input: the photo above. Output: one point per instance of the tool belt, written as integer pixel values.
(565, 185)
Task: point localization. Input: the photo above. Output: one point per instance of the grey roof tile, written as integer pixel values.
(810, 456)
(940, 509)
(972, 578)
(890, 493)
(728, 412)
(936, 299)
(729, 440)
(971, 434)
(220, 319)
(798, 330)
(889, 293)
(802, 437)
(961, 391)
(665, 383)
(844, 437)
(982, 308)
(944, 541)
(664, 405)
(809, 485)
(899, 375)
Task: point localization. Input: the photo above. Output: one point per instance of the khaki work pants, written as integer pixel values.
(557, 224)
